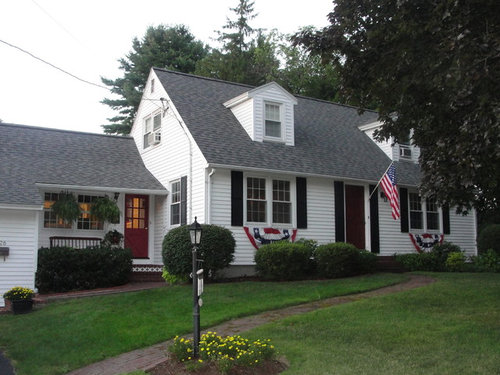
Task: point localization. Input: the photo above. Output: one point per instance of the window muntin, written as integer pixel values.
(432, 215)
(423, 215)
(86, 220)
(152, 124)
(50, 220)
(256, 200)
(272, 120)
(282, 205)
(416, 215)
(175, 205)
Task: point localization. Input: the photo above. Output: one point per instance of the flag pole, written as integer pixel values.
(376, 186)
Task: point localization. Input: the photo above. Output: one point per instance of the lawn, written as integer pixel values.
(449, 327)
(70, 334)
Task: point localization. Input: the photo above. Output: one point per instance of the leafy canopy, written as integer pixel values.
(431, 67)
(172, 48)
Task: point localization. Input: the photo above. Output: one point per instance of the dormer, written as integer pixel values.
(266, 113)
(403, 151)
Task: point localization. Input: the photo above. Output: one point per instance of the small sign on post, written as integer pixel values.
(199, 274)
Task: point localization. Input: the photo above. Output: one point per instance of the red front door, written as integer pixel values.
(136, 224)
(355, 215)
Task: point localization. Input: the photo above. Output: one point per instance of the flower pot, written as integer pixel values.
(21, 306)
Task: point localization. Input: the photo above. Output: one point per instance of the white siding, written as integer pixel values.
(18, 232)
(463, 231)
(177, 155)
(384, 145)
(244, 113)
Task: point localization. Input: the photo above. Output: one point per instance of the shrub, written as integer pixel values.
(216, 250)
(487, 262)
(172, 279)
(284, 260)
(367, 262)
(441, 253)
(455, 262)
(61, 269)
(489, 238)
(338, 259)
(434, 261)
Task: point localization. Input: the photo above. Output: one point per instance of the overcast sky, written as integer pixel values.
(86, 38)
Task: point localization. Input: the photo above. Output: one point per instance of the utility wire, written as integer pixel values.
(55, 67)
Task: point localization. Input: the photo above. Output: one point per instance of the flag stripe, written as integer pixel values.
(388, 183)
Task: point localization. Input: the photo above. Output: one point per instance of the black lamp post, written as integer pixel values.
(195, 232)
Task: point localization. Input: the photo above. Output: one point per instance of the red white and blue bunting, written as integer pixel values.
(425, 241)
(262, 236)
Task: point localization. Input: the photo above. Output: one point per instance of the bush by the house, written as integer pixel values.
(455, 262)
(61, 269)
(489, 238)
(486, 262)
(433, 261)
(338, 259)
(284, 260)
(367, 262)
(216, 250)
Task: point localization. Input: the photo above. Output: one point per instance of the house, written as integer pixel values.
(257, 160)
(269, 165)
(36, 164)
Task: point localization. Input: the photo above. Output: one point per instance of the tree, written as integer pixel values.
(163, 47)
(433, 68)
(241, 58)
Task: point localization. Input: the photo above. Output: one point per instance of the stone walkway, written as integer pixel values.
(143, 359)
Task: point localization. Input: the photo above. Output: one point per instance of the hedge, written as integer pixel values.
(216, 250)
(284, 260)
(62, 269)
(338, 259)
(489, 238)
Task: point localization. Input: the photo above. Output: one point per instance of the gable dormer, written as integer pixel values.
(266, 113)
(404, 151)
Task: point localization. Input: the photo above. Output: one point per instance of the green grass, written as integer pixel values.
(67, 335)
(450, 327)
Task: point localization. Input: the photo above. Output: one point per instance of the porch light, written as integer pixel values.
(195, 232)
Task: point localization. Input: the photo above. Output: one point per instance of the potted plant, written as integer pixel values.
(66, 207)
(112, 239)
(21, 299)
(105, 209)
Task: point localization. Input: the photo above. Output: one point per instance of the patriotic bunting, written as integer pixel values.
(262, 236)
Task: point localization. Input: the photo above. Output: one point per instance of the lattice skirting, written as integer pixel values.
(147, 268)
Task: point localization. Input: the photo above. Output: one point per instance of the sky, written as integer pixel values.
(86, 38)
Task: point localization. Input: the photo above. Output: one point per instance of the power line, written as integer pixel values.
(55, 67)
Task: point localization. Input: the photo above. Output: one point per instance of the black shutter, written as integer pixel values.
(301, 203)
(339, 211)
(184, 200)
(446, 219)
(374, 229)
(236, 199)
(403, 203)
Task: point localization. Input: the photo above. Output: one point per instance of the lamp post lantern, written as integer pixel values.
(195, 233)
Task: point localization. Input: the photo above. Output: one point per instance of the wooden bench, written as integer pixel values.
(75, 242)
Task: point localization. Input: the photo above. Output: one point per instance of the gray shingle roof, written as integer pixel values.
(30, 155)
(327, 139)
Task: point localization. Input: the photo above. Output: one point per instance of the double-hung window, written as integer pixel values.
(175, 205)
(272, 120)
(423, 216)
(152, 125)
(281, 202)
(50, 219)
(86, 220)
(268, 199)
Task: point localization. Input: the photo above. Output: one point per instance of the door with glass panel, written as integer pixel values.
(136, 224)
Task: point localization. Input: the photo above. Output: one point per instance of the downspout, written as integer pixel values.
(190, 179)
(209, 198)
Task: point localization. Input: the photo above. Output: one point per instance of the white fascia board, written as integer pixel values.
(370, 126)
(265, 87)
(237, 100)
(25, 207)
(151, 75)
(104, 188)
(294, 173)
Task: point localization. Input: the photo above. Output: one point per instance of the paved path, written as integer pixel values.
(5, 366)
(143, 359)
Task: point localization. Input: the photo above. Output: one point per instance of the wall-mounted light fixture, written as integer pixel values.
(116, 196)
(383, 196)
(4, 252)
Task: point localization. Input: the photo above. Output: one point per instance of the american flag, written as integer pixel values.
(388, 183)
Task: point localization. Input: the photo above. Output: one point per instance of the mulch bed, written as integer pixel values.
(173, 367)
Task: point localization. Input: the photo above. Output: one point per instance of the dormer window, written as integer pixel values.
(272, 121)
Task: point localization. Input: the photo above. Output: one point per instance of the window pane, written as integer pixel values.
(256, 211)
(272, 112)
(281, 212)
(175, 214)
(273, 129)
(432, 220)
(87, 221)
(157, 121)
(50, 220)
(416, 217)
